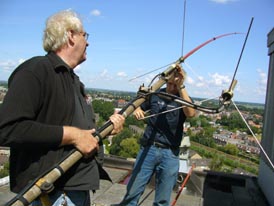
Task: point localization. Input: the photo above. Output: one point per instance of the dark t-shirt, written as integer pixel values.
(166, 128)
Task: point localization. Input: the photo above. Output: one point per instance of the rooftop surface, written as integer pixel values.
(203, 188)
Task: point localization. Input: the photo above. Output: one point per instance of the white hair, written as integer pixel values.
(57, 27)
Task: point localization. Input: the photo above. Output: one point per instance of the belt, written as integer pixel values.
(158, 144)
(161, 145)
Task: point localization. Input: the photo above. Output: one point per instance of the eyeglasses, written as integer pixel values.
(86, 35)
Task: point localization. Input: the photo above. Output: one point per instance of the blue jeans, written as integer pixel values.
(164, 163)
(68, 198)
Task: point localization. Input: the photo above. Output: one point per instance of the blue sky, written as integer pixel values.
(130, 38)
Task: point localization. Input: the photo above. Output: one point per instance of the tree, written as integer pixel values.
(131, 120)
(115, 147)
(204, 137)
(232, 122)
(231, 149)
(125, 144)
(129, 147)
(216, 163)
(5, 171)
(255, 130)
(104, 109)
(201, 121)
(236, 122)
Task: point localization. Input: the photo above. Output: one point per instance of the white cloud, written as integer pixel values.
(21, 61)
(208, 87)
(77, 69)
(262, 78)
(10, 65)
(262, 82)
(104, 75)
(200, 84)
(223, 1)
(189, 80)
(121, 74)
(219, 80)
(201, 78)
(95, 12)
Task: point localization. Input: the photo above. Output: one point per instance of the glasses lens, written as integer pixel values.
(86, 36)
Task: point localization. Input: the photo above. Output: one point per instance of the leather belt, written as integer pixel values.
(160, 145)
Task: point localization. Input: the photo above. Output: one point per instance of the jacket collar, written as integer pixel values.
(57, 62)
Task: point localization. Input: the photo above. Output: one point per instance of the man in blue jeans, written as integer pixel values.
(159, 153)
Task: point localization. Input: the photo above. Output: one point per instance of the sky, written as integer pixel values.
(131, 38)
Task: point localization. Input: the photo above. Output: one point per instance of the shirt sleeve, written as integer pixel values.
(18, 124)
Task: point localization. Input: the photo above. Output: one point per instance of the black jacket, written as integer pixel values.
(40, 100)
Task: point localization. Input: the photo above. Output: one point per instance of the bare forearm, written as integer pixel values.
(189, 112)
(83, 140)
(70, 134)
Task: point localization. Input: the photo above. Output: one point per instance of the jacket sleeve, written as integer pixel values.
(18, 114)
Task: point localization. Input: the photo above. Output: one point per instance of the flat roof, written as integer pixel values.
(204, 188)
